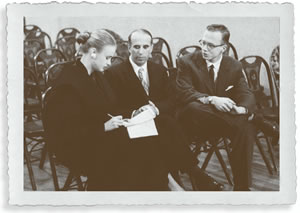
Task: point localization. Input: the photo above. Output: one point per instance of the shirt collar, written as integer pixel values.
(216, 64)
(136, 67)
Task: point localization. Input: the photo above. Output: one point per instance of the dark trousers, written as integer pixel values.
(205, 121)
(174, 144)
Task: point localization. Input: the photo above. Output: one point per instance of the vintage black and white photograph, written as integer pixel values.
(151, 98)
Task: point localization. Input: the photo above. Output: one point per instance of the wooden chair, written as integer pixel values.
(267, 99)
(161, 45)
(68, 46)
(43, 60)
(54, 71)
(231, 51)
(33, 128)
(160, 58)
(67, 32)
(116, 60)
(31, 29)
(41, 36)
(186, 50)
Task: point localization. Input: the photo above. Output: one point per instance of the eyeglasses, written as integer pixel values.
(209, 46)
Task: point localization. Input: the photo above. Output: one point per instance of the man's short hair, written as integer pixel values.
(139, 30)
(222, 29)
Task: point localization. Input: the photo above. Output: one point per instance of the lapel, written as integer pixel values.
(133, 81)
(202, 73)
(222, 78)
(152, 77)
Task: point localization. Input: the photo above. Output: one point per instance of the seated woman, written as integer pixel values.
(80, 127)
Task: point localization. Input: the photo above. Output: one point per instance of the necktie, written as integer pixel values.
(143, 81)
(211, 74)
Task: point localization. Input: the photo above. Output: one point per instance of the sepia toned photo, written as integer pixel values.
(151, 103)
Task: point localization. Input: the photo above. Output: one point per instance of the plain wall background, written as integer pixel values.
(249, 35)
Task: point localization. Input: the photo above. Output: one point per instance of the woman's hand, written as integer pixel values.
(113, 123)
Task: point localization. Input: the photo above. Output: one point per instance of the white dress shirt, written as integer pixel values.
(136, 69)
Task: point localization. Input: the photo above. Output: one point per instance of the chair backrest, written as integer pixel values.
(161, 45)
(261, 81)
(160, 58)
(53, 72)
(44, 59)
(188, 49)
(31, 48)
(67, 32)
(32, 93)
(31, 29)
(43, 37)
(116, 60)
(275, 64)
(67, 45)
(231, 51)
(122, 49)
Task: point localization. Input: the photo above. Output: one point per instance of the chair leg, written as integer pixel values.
(271, 151)
(43, 156)
(261, 150)
(53, 171)
(68, 182)
(220, 158)
(176, 177)
(207, 159)
(79, 183)
(29, 167)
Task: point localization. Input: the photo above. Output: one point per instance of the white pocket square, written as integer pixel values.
(229, 88)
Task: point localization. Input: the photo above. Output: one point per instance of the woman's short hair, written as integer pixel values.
(97, 39)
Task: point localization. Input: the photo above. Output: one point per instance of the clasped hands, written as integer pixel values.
(225, 104)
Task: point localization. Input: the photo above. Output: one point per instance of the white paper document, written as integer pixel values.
(142, 125)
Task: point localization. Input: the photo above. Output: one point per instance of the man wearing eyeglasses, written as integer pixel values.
(214, 100)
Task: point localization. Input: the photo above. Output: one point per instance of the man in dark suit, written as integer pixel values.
(215, 100)
(139, 85)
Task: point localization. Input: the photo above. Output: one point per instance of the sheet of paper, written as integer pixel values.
(140, 118)
(145, 129)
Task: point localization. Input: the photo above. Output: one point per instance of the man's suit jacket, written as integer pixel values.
(193, 81)
(130, 92)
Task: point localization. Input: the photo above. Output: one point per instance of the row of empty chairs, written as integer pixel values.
(43, 65)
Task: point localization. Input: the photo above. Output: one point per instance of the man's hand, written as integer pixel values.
(145, 107)
(114, 123)
(222, 104)
(238, 110)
